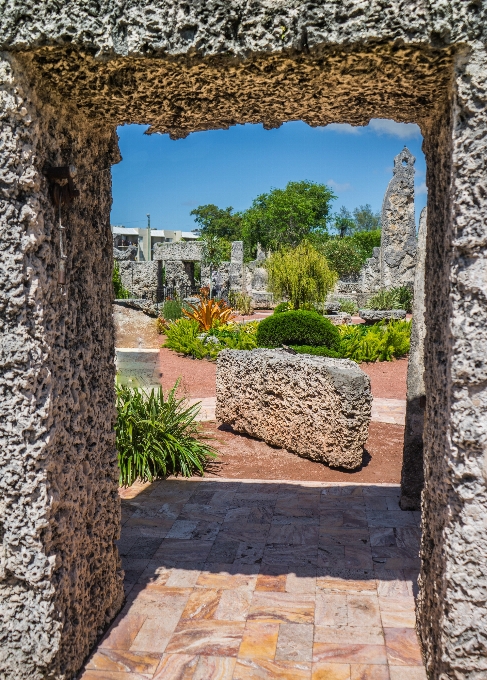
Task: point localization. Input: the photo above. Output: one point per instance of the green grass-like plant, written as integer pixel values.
(158, 436)
(172, 310)
(392, 298)
(297, 327)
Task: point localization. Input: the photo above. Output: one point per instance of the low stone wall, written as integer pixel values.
(316, 407)
(141, 278)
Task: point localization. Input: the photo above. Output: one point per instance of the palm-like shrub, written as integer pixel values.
(297, 327)
(157, 436)
(209, 312)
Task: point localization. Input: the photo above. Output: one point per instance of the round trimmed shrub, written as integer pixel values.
(281, 307)
(298, 327)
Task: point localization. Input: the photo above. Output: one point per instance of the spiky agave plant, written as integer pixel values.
(208, 312)
(158, 436)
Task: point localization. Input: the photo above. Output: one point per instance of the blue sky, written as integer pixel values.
(169, 178)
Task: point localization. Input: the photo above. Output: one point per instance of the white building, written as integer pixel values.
(125, 236)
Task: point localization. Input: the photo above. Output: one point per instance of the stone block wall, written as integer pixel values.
(141, 278)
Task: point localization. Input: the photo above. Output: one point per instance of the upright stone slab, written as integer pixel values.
(412, 476)
(398, 238)
(235, 269)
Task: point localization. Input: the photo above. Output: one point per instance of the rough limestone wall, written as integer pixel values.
(59, 509)
(453, 582)
(141, 278)
(412, 475)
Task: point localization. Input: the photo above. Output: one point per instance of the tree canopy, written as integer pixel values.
(218, 222)
(287, 216)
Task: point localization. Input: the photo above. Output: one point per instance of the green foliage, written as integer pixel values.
(119, 290)
(241, 303)
(365, 219)
(343, 222)
(393, 298)
(219, 222)
(380, 342)
(342, 256)
(184, 336)
(300, 274)
(282, 307)
(317, 351)
(297, 327)
(172, 310)
(287, 216)
(366, 241)
(157, 437)
(348, 306)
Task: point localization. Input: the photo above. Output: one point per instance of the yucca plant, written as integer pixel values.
(208, 312)
(158, 436)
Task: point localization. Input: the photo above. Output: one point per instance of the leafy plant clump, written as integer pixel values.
(242, 303)
(393, 298)
(282, 307)
(380, 342)
(119, 290)
(184, 336)
(348, 306)
(158, 436)
(297, 327)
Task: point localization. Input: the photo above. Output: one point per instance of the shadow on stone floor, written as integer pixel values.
(244, 579)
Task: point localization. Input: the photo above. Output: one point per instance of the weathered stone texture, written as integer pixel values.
(184, 251)
(316, 407)
(375, 315)
(412, 476)
(60, 579)
(141, 278)
(398, 236)
(183, 67)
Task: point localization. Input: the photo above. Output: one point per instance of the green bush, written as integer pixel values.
(393, 298)
(282, 307)
(366, 241)
(342, 256)
(157, 437)
(297, 327)
(119, 290)
(317, 351)
(172, 310)
(380, 342)
(348, 306)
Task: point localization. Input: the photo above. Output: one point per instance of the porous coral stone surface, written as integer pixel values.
(317, 407)
(68, 76)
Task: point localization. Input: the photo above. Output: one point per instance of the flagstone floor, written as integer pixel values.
(236, 580)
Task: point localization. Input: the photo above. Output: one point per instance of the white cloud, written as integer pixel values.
(337, 186)
(421, 189)
(390, 127)
(344, 128)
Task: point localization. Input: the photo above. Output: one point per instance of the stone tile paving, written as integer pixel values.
(237, 580)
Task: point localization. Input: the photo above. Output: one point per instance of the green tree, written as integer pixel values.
(215, 251)
(287, 216)
(365, 219)
(343, 256)
(344, 222)
(219, 222)
(300, 274)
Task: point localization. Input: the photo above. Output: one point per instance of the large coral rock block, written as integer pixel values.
(316, 407)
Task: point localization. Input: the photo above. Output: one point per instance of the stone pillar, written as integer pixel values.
(412, 476)
(60, 578)
(236, 279)
(452, 610)
(398, 239)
